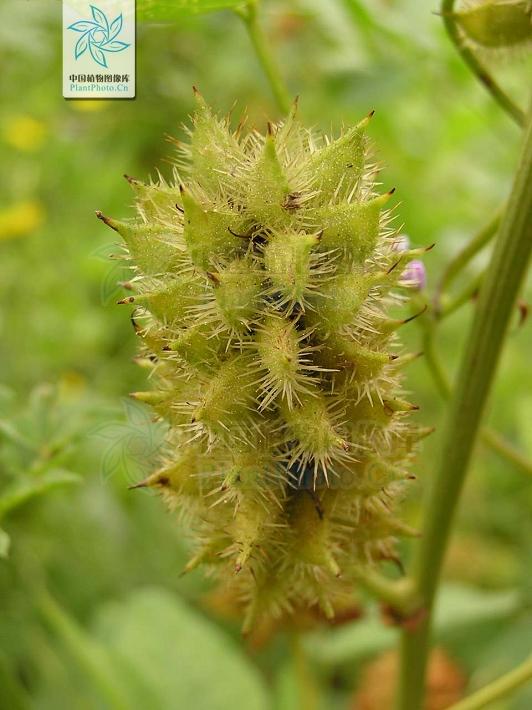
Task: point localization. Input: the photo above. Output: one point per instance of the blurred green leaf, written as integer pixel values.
(20, 493)
(12, 694)
(168, 10)
(91, 656)
(352, 642)
(153, 651)
(184, 659)
(459, 607)
(5, 542)
(11, 434)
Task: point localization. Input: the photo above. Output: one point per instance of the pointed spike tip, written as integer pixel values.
(106, 220)
(214, 277)
(416, 315)
(140, 484)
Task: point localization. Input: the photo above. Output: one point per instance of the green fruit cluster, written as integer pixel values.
(264, 277)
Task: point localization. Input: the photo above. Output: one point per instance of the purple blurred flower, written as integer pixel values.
(414, 275)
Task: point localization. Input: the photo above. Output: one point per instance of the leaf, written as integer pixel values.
(116, 26)
(184, 659)
(100, 18)
(81, 45)
(168, 10)
(10, 433)
(459, 608)
(82, 26)
(20, 493)
(114, 46)
(13, 695)
(97, 54)
(91, 656)
(5, 542)
(351, 642)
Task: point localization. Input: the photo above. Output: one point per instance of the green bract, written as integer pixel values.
(263, 279)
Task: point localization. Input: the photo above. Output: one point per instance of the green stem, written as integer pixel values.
(448, 307)
(500, 96)
(465, 255)
(497, 443)
(398, 594)
(479, 362)
(307, 687)
(437, 371)
(498, 689)
(491, 438)
(262, 49)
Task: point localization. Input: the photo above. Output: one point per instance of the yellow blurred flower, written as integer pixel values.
(72, 384)
(21, 218)
(88, 105)
(24, 132)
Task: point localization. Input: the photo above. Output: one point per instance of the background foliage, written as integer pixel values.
(94, 612)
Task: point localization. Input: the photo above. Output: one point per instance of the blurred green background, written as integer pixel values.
(94, 613)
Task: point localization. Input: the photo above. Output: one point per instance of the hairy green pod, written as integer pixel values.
(262, 281)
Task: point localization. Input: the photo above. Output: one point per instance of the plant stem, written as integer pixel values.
(438, 373)
(448, 307)
(308, 690)
(464, 256)
(398, 594)
(500, 96)
(495, 305)
(497, 443)
(262, 49)
(498, 689)
(490, 438)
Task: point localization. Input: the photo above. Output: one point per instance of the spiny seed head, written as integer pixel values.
(263, 276)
